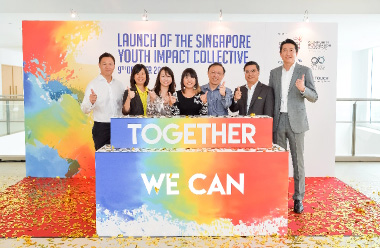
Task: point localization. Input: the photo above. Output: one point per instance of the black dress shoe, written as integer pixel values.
(298, 207)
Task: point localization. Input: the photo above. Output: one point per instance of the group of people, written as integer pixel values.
(282, 99)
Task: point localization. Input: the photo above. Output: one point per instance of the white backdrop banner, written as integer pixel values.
(178, 45)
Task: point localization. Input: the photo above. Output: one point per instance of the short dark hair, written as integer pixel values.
(106, 55)
(157, 86)
(216, 63)
(190, 72)
(252, 63)
(136, 69)
(289, 41)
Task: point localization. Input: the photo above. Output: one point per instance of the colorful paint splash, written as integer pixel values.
(124, 205)
(58, 134)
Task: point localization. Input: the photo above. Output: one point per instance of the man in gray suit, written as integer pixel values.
(254, 97)
(292, 83)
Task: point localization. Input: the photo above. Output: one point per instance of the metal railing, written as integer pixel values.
(11, 112)
(354, 121)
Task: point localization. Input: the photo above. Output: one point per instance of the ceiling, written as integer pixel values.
(13, 12)
(194, 6)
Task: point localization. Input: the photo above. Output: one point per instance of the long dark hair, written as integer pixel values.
(136, 69)
(157, 86)
(190, 72)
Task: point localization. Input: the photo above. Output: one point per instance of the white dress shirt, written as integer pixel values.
(250, 94)
(286, 77)
(109, 100)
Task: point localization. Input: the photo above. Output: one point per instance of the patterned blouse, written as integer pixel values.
(158, 107)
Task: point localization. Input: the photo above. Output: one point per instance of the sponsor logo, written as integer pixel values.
(321, 79)
(318, 45)
(317, 63)
(318, 60)
(298, 40)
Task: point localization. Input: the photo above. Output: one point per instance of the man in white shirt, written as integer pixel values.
(103, 96)
(254, 97)
(292, 83)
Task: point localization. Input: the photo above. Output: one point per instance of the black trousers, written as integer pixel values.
(101, 134)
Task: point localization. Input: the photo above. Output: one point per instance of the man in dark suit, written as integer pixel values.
(292, 83)
(254, 97)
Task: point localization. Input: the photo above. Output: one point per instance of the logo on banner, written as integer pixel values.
(321, 79)
(297, 40)
(318, 60)
(317, 63)
(318, 45)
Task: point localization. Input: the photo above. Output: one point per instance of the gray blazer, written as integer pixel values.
(296, 104)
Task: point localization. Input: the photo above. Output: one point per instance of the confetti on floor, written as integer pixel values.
(333, 208)
(235, 242)
(48, 207)
(56, 207)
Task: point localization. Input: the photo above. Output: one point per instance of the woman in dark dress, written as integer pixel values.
(136, 98)
(190, 100)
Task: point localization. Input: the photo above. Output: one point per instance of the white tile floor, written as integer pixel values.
(365, 177)
(11, 173)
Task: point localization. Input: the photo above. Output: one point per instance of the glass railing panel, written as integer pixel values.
(358, 127)
(16, 110)
(3, 128)
(344, 111)
(11, 114)
(367, 129)
(343, 142)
